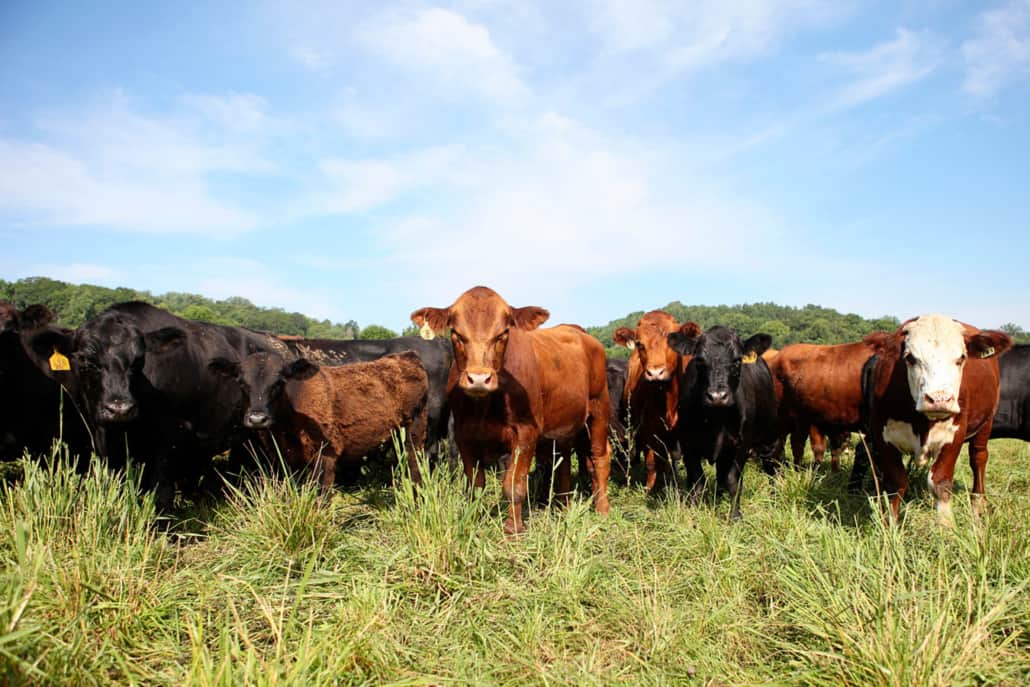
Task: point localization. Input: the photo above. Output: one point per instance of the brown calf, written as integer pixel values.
(934, 387)
(321, 416)
(653, 388)
(514, 388)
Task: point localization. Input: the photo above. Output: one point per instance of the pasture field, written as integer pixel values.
(275, 586)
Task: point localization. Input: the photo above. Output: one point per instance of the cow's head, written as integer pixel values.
(480, 322)
(108, 358)
(934, 349)
(262, 378)
(650, 343)
(719, 356)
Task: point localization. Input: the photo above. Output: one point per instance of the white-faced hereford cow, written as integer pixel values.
(513, 386)
(653, 388)
(934, 386)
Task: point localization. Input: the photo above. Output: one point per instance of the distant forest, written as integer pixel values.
(786, 325)
(75, 303)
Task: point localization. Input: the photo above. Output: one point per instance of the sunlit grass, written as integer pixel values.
(279, 584)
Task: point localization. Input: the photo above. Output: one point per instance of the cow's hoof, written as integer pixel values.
(513, 529)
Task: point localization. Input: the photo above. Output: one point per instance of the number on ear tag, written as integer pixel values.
(426, 332)
(988, 352)
(750, 358)
(59, 362)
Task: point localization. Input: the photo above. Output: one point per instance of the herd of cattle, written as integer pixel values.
(174, 393)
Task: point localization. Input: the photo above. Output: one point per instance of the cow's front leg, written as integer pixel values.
(729, 469)
(515, 484)
(942, 476)
(472, 462)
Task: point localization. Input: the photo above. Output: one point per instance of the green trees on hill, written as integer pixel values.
(786, 325)
(76, 303)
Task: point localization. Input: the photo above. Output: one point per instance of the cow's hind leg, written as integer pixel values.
(978, 463)
(818, 441)
(601, 459)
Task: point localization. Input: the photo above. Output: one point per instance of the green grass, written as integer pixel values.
(277, 585)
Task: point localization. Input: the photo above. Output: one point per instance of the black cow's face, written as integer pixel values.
(719, 357)
(262, 378)
(109, 356)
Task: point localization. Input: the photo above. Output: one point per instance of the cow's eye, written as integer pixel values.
(910, 359)
(960, 360)
(503, 336)
(458, 338)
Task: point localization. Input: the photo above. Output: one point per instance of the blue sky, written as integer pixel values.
(360, 160)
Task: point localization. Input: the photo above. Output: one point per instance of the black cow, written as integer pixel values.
(616, 368)
(436, 356)
(1012, 421)
(727, 407)
(34, 409)
(146, 389)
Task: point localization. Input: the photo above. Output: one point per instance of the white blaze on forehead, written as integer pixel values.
(937, 342)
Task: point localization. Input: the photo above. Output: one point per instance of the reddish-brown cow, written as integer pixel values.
(513, 387)
(653, 388)
(819, 386)
(934, 386)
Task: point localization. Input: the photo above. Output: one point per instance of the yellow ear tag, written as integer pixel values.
(987, 353)
(750, 358)
(426, 332)
(59, 363)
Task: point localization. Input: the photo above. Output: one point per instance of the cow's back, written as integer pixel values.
(353, 408)
(821, 383)
(571, 369)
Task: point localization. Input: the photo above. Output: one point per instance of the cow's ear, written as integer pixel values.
(165, 340)
(757, 345)
(691, 330)
(684, 345)
(300, 369)
(624, 336)
(224, 367)
(529, 317)
(45, 344)
(437, 319)
(35, 316)
(987, 343)
(882, 342)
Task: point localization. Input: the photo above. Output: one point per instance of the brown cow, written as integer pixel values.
(934, 386)
(819, 386)
(653, 388)
(513, 388)
(320, 416)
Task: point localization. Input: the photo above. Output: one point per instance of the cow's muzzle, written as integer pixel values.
(257, 420)
(718, 398)
(118, 410)
(656, 374)
(938, 405)
(478, 382)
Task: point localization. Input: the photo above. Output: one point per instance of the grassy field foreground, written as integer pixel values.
(275, 586)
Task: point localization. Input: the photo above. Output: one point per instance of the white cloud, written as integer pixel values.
(444, 45)
(696, 34)
(999, 52)
(76, 272)
(360, 185)
(565, 204)
(111, 166)
(885, 68)
(312, 58)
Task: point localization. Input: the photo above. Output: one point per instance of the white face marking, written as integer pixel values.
(934, 347)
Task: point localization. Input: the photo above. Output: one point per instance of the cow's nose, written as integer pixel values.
(938, 398)
(655, 373)
(119, 407)
(257, 420)
(718, 397)
(479, 378)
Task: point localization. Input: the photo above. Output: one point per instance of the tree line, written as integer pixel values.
(786, 324)
(76, 303)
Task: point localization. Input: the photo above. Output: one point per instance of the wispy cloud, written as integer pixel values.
(885, 68)
(998, 54)
(445, 46)
(110, 165)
